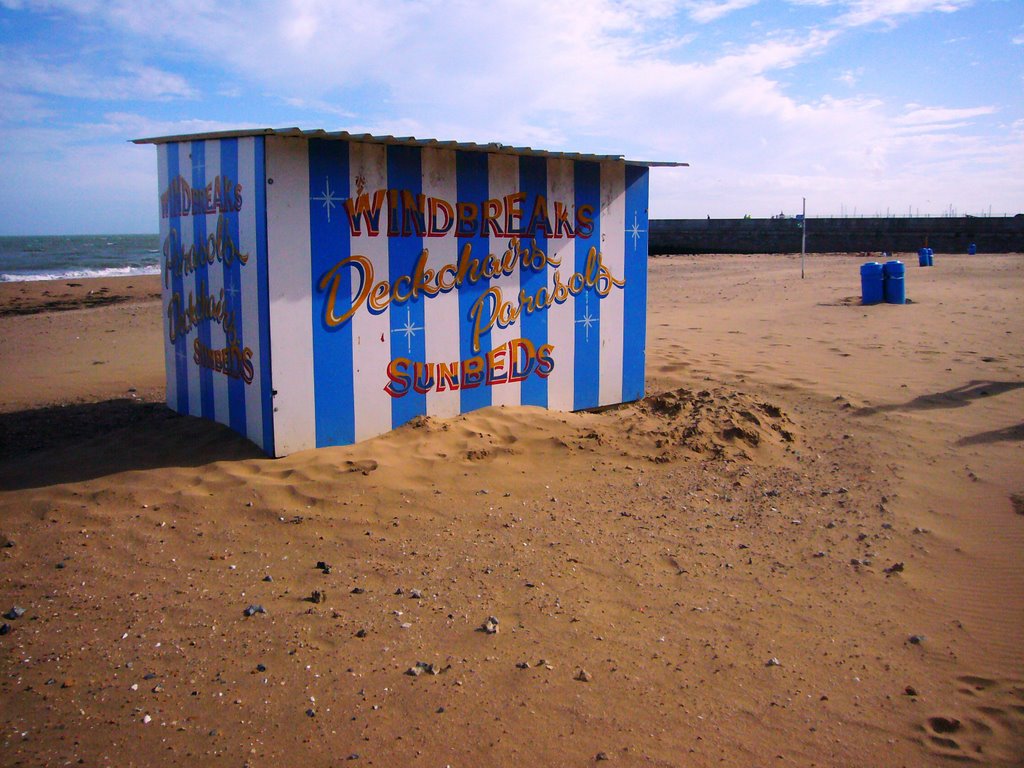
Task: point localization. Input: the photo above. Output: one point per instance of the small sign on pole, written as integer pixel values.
(803, 238)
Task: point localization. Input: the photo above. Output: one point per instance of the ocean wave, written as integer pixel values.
(78, 274)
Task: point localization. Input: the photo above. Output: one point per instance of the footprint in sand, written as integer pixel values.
(366, 466)
(988, 728)
(1017, 500)
(673, 367)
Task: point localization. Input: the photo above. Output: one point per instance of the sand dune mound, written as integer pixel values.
(712, 423)
(664, 427)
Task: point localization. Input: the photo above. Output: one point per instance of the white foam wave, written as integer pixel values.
(79, 274)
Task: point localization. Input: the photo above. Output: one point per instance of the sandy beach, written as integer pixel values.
(803, 547)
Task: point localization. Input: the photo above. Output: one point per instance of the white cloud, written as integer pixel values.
(706, 11)
(940, 116)
(863, 12)
(18, 107)
(33, 74)
(850, 77)
(130, 125)
(779, 53)
(320, 107)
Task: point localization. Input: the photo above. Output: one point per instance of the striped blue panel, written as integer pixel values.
(198, 181)
(330, 243)
(472, 186)
(533, 180)
(634, 332)
(181, 352)
(587, 304)
(233, 286)
(260, 201)
(407, 317)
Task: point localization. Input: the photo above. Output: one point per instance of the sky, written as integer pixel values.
(863, 107)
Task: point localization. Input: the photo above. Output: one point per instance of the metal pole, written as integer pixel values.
(803, 239)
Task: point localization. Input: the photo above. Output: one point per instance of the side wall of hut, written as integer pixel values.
(214, 283)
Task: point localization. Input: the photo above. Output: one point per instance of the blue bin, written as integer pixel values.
(894, 289)
(931, 259)
(922, 257)
(871, 279)
(972, 249)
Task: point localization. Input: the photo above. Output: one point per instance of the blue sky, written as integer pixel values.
(862, 106)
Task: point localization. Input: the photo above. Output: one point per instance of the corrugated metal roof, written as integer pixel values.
(409, 141)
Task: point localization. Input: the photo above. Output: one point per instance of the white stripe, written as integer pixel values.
(503, 179)
(215, 282)
(561, 317)
(441, 312)
(613, 225)
(371, 334)
(249, 284)
(166, 287)
(189, 289)
(291, 300)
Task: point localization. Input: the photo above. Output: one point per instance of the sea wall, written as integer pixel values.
(840, 235)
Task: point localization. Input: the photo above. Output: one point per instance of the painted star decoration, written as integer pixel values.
(635, 230)
(588, 319)
(408, 330)
(327, 197)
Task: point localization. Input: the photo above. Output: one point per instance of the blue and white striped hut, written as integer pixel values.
(323, 288)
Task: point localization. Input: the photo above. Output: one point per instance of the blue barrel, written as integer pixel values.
(871, 278)
(894, 288)
(931, 259)
(972, 249)
(922, 257)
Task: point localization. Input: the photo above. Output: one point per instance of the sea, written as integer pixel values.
(57, 257)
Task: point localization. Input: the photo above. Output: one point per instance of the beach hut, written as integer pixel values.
(321, 288)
